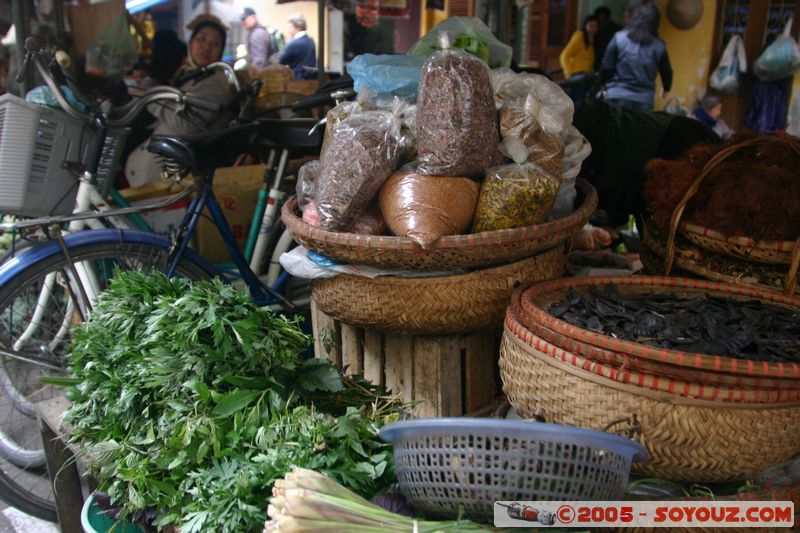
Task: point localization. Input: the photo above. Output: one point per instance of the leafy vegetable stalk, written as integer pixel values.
(192, 401)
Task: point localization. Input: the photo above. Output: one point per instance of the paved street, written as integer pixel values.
(15, 521)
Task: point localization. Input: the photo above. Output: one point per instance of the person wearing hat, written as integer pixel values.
(709, 112)
(205, 47)
(258, 39)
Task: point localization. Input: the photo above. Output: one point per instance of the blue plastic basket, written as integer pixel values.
(447, 464)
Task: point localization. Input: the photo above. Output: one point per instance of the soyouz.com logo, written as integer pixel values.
(669, 514)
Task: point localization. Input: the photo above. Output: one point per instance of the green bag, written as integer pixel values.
(114, 52)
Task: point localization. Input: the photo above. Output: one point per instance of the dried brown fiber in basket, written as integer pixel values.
(448, 253)
(687, 439)
(443, 305)
(720, 157)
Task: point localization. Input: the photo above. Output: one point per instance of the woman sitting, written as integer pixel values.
(205, 47)
(709, 112)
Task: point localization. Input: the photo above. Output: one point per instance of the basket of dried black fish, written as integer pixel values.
(687, 438)
(447, 253)
(696, 324)
(438, 305)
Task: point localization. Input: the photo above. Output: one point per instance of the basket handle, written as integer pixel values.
(718, 158)
(633, 428)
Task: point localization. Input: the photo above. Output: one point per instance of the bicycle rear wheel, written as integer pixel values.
(38, 312)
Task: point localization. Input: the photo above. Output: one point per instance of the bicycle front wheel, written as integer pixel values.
(39, 308)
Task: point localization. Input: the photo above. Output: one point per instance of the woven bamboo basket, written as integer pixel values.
(690, 261)
(687, 439)
(448, 253)
(722, 244)
(442, 305)
(536, 299)
(772, 252)
(627, 362)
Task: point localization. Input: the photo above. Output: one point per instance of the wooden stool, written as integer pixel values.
(452, 374)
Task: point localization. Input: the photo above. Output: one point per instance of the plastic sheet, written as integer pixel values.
(306, 187)
(362, 151)
(114, 51)
(469, 34)
(425, 208)
(386, 75)
(515, 195)
(457, 132)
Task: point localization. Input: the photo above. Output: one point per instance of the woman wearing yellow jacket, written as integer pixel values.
(578, 55)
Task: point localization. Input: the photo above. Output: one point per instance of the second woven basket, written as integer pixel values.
(442, 305)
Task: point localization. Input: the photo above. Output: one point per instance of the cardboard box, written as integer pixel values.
(236, 189)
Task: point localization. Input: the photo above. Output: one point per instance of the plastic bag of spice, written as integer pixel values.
(361, 153)
(518, 119)
(306, 186)
(340, 112)
(552, 108)
(457, 131)
(425, 208)
(515, 195)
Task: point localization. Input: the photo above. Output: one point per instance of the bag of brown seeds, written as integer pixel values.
(361, 153)
(457, 132)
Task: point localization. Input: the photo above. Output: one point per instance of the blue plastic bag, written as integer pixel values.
(43, 96)
(386, 75)
(781, 59)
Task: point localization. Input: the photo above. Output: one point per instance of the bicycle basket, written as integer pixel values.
(35, 144)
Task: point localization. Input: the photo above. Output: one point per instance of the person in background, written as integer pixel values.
(300, 51)
(607, 29)
(578, 55)
(205, 47)
(635, 56)
(709, 112)
(258, 39)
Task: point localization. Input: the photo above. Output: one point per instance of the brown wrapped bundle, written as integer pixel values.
(457, 132)
(425, 208)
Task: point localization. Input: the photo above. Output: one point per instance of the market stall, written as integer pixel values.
(435, 228)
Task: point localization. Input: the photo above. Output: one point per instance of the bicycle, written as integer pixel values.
(73, 268)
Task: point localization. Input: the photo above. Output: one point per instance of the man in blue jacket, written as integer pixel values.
(300, 51)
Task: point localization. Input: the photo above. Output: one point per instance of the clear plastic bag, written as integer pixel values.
(425, 208)
(306, 187)
(387, 75)
(779, 60)
(342, 111)
(361, 153)
(114, 51)
(457, 131)
(515, 195)
(576, 151)
(553, 107)
(518, 119)
(725, 77)
(469, 34)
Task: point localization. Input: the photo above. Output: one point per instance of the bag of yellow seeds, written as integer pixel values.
(515, 195)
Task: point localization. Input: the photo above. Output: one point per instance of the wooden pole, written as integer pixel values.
(321, 43)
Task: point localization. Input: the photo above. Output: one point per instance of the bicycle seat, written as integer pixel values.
(292, 134)
(206, 150)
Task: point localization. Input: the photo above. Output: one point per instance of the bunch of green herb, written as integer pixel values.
(190, 400)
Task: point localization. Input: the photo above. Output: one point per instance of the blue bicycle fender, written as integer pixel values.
(13, 266)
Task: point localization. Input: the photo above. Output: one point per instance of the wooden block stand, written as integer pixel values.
(453, 374)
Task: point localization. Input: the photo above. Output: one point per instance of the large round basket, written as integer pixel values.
(448, 253)
(442, 305)
(774, 252)
(687, 439)
(705, 264)
(537, 299)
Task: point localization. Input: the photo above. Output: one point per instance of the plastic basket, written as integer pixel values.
(35, 144)
(448, 464)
